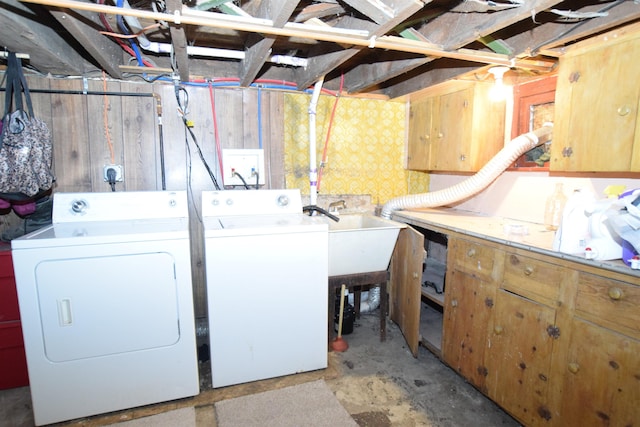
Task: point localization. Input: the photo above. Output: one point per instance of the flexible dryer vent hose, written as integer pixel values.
(475, 183)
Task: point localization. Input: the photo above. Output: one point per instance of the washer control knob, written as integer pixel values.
(229, 202)
(79, 206)
(283, 200)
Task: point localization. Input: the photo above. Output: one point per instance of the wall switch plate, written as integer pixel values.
(246, 162)
(117, 168)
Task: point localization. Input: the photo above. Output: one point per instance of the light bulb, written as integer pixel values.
(499, 91)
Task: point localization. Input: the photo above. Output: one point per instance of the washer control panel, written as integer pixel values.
(250, 202)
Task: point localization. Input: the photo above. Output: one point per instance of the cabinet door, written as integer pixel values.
(602, 378)
(518, 357)
(404, 293)
(468, 305)
(420, 113)
(597, 109)
(451, 132)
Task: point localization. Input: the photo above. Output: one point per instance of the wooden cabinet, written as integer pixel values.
(600, 373)
(454, 127)
(597, 125)
(545, 338)
(518, 357)
(472, 271)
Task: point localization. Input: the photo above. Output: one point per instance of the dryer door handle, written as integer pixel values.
(64, 312)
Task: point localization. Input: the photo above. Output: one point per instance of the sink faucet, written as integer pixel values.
(313, 208)
(334, 206)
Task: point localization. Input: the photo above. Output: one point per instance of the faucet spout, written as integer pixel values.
(313, 208)
(334, 206)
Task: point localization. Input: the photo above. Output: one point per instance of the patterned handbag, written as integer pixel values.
(26, 148)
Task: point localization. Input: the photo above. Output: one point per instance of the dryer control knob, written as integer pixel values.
(78, 206)
(283, 200)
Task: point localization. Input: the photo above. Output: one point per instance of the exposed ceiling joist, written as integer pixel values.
(388, 47)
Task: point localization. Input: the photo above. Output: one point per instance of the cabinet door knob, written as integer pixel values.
(624, 110)
(440, 135)
(497, 329)
(615, 293)
(454, 303)
(528, 270)
(573, 367)
(415, 275)
(471, 253)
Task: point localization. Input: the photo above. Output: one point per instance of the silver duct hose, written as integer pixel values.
(475, 183)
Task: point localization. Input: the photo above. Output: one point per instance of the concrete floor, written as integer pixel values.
(379, 384)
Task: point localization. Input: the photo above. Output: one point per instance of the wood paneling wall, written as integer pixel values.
(137, 116)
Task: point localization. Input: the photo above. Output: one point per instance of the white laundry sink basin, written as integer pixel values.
(361, 243)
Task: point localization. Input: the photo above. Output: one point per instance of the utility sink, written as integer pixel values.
(361, 243)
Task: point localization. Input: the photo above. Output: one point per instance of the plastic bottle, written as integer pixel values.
(554, 207)
(573, 234)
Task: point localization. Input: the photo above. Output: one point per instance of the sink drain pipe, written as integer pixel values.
(476, 183)
(313, 169)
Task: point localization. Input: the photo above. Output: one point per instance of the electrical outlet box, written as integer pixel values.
(248, 163)
(117, 168)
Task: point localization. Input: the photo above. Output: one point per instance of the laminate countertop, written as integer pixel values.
(520, 234)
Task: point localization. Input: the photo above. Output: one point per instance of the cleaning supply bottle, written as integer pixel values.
(553, 208)
(573, 233)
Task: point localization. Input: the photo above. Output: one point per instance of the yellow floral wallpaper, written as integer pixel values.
(365, 151)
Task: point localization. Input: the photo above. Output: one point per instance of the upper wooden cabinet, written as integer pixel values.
(454, 127)
(597, 126)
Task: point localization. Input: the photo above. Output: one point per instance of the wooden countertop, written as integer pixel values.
(520, 234)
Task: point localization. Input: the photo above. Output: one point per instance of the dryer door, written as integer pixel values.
(99, 306)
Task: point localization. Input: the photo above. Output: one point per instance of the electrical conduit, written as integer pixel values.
(475, 183)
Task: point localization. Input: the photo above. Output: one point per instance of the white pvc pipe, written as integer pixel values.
(313, 169)
(212, 52)
(475, 183)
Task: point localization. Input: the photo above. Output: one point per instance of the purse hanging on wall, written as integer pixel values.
(26, 148)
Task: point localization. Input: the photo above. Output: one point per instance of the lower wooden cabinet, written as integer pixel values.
(521, 337)
(553, 341)
(468, 306)
(601, 377)
(547, 339)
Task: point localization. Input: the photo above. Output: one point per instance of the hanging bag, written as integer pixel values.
(26, 148)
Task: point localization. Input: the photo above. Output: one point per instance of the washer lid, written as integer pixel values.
(263, 224)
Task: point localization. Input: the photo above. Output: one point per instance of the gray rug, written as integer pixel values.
(310, 404)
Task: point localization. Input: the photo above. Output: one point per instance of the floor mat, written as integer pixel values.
(310, 404)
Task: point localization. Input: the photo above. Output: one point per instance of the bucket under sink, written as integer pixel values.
(361, 243)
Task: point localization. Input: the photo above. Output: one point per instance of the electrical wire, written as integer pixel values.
(183, 108)
(123, 28)
(122, 44)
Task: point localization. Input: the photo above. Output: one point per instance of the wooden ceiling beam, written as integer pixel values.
(106, 52)
(179, 41)
(259, 47)
(24, 32)
(375, 37)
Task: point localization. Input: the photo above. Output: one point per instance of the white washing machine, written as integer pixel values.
(106, 304)
(267, 285)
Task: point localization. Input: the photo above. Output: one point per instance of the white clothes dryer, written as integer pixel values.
(106, 304)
